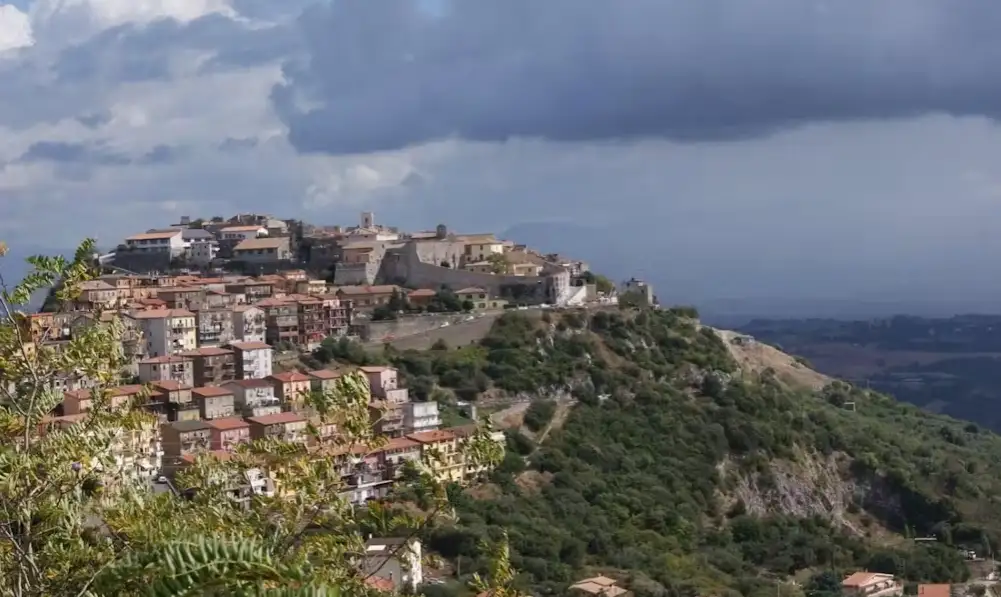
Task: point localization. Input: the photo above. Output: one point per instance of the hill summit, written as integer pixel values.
(687, 461)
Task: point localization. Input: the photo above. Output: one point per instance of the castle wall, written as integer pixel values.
(405, 266)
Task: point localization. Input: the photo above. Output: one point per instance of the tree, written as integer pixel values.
(74, 522)
(498, 263)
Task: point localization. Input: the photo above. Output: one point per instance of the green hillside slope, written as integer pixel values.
(683, 474)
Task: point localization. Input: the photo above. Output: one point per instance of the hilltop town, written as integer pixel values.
(207, 306)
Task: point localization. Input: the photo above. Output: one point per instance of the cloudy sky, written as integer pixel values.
(722, 148)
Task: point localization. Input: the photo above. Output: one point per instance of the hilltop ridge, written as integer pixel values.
(695, 465)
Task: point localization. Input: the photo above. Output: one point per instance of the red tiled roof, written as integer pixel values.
(374, 369)
(430, 437)
(170, 385)
(228, 423)
(207, 351)
(211, 391)
(325, 374)
(250, 383)
(249, 345)
(422, 292)
(277, 418)
(290, 376)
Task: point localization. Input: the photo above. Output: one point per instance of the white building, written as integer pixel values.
(167, 331)
(420, 416)
(253, 360)
(241, 233)
(167, 368)
(164, 241)
(254, 397)
(202, 251)
(397, 560)
(248, 324)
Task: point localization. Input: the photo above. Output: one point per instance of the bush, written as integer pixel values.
(539, 414)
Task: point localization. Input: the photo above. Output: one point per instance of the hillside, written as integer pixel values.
(950, 366)
(679, 470)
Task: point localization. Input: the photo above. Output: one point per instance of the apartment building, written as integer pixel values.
(286, 426)
(228, 433)
(174, 401)
(167, 368)
(166, 241)
(444, 449)
(384, 383)
(253, 359)
(387, 418)
(181, 438)
(248, 324)
(291, 387)
(76, 402)
(214, 402)
(167, 331)
(182, 297)
(214, 326)
(394, 455)
(281, 321)
(263, 250)
(252, 290)
(212, 365)
(136, 455)
(254, 397)
(367, 298)
(311, 321)
(324, 380)
(420, 416)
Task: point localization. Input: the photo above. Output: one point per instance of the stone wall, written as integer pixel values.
(404, 266)
(142, 263)
(381, 331)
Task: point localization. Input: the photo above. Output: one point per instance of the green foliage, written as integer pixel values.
(648, 478)
(539, 414)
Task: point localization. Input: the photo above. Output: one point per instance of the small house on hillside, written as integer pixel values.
(599, 586)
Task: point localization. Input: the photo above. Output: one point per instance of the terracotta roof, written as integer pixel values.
(211, 391)
(164, 360)
(380, 584)
(252, 244)
(290, 376)
(95, 285)
(937, 590)
(170, 385)
(227, 423)
(161, 313)
(422, 292)
(218, 454)
(249, 345)
(399, 443)
(358, 290)
(250, 383)
(127, 390)
(207, 351)
(277, 418)
(374, 368)
(154, 235)
(864, 578)
(273, 302)
(430, 437)
(325, 374)
(471, 290)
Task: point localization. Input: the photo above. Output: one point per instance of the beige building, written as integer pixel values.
(256, 250)
(167, 368)
(167, 331)
(871, 584)
(599, 586)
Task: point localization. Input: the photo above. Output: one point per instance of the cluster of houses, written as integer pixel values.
(365, 255)
(194, 416)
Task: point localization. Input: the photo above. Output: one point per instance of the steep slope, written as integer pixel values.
(682, 470)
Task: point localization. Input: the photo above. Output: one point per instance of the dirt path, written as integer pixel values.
(559, 417)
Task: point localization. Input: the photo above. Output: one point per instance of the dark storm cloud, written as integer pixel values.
(383, 75)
